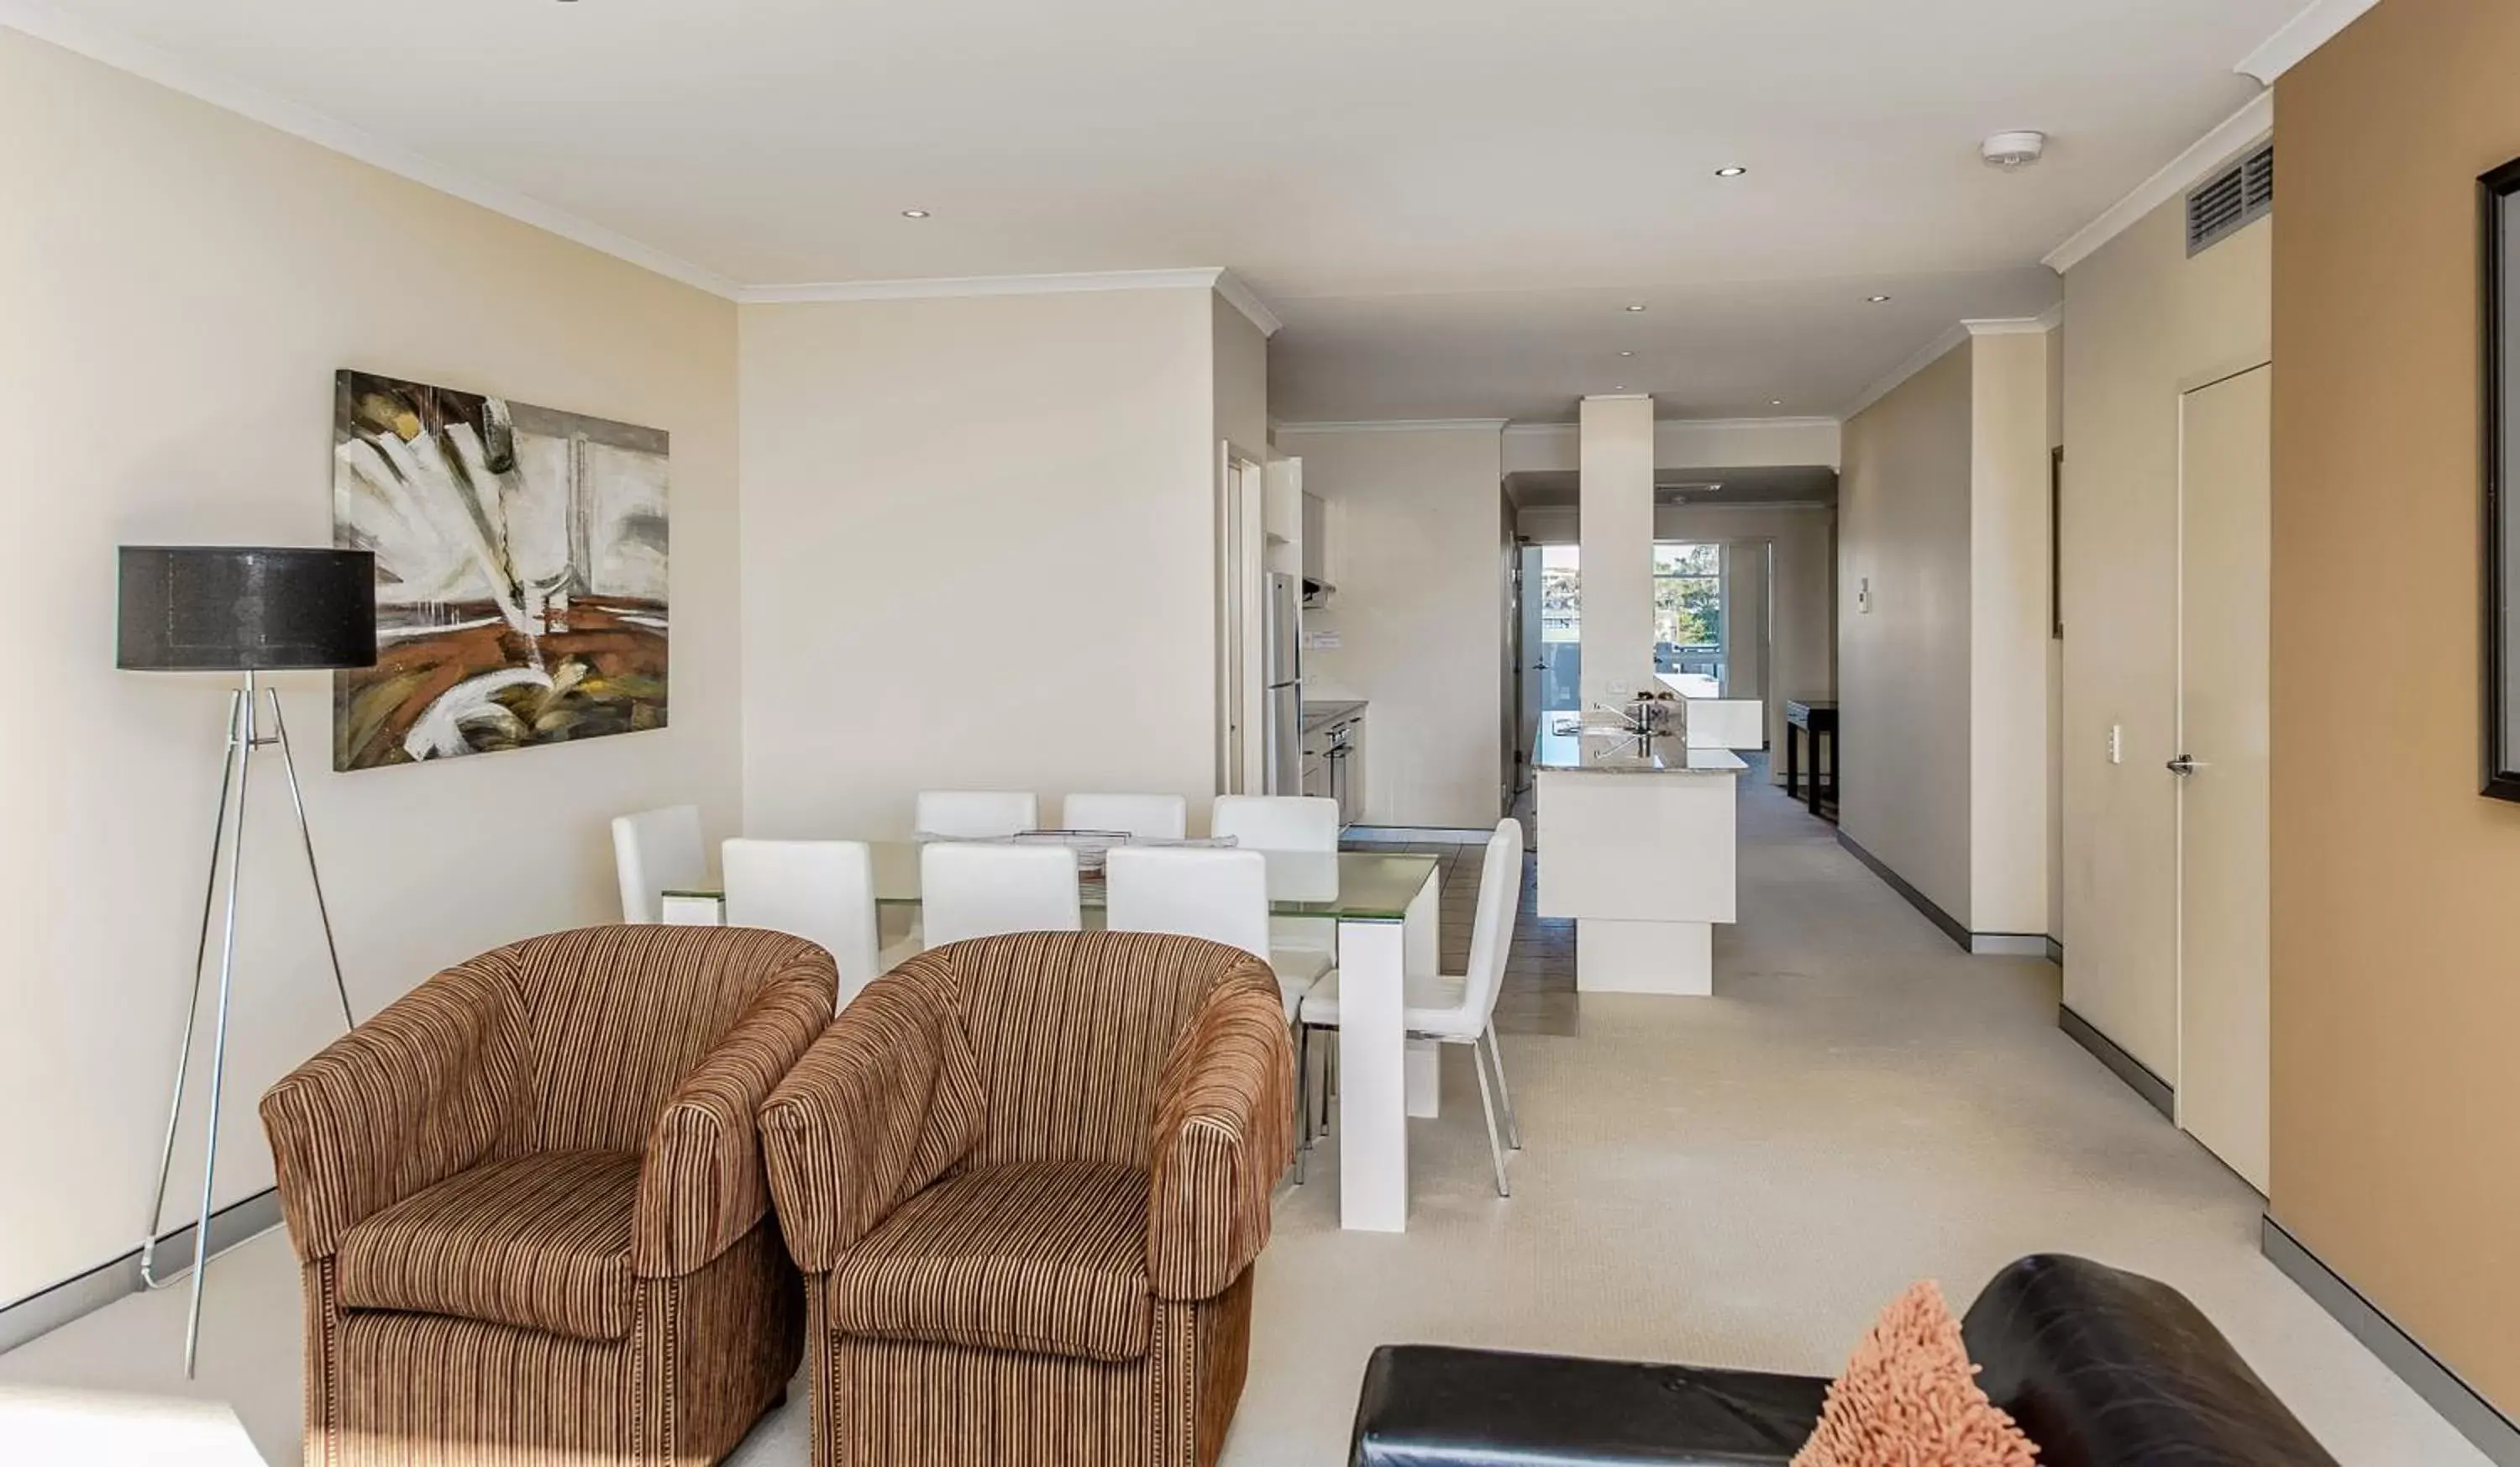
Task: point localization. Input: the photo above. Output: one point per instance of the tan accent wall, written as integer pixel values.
(2396, 887)
(2008, 633)
(177, 287)
(2144, 322)
(1904, 664)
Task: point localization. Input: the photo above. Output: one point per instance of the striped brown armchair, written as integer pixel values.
(529, 1203)
(1026, 1178)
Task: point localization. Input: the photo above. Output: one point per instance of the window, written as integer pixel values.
(1688, 610)
(1562, 629)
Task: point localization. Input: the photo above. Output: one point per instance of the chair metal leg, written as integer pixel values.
(1329, 1084)
(1505, 1092)
(1496, 1148)
(1303, 1098)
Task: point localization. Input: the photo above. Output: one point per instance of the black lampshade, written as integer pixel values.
(245, 608)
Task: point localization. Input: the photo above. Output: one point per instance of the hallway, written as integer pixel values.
(1746, 1180)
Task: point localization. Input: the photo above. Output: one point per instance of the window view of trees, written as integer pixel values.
(1688, 609)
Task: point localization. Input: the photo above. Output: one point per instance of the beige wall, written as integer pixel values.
(1241, 379)
(980, 552)
(2143, 323)
(2009, 643)
(1418, 612)
(178, 286)
(2055, 661)
(1904, 515)
(2396, 997)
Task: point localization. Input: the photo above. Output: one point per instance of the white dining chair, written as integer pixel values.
(820, 890)
(977, 814)
(1147, 817)
(971, 891)
(1458, 1010)
(1286, 822)
(1217, 894)
(655, 851)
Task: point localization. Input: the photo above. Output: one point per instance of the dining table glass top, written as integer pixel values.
(1348, 886)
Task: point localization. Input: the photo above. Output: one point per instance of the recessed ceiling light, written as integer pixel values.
(1775, 402)
(1618, 387)
(1627, 354)
(914, 213)
(1635, 307)
(1731, 170)
(1877, 300)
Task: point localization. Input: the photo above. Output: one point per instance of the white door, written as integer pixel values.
(1241, 580)
(2224, 553)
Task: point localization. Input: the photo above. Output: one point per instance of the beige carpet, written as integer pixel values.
(1741, 1180)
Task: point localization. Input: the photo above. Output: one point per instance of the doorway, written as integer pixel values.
(2225, 556)
(1552, 643)
(1241, 578)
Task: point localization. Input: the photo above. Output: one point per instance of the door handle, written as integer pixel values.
(2186, 764)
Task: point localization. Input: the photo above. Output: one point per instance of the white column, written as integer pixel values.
(1615, 460)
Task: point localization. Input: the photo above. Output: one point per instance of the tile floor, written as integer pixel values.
(1736, 1181)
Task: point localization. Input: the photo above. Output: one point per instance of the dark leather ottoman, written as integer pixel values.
(2101, 1368)
(1430, 1405)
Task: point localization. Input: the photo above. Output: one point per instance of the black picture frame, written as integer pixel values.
(2499, 258)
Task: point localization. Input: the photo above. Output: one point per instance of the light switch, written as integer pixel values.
(2117, 744)
(1863, 594)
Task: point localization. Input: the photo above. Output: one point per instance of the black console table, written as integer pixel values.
(1814, 720)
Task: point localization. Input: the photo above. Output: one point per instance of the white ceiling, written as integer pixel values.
(1446, 200)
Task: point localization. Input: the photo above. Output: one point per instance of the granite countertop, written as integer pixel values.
(1611, 751)
(1321, 715)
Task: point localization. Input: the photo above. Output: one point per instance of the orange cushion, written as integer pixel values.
(539, 1240)
(1910, 1399)
(1049, 1257)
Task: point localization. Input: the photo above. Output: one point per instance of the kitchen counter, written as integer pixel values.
(1321, 715)
(1613, 751)
(1647, 867)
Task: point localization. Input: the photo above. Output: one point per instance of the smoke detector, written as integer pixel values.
(2011, 151)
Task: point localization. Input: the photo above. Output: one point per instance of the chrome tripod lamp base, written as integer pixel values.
(249, 610)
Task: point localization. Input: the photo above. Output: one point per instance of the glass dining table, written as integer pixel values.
(1384, 909)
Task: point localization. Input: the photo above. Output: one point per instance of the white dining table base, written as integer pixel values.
(1374, 1067)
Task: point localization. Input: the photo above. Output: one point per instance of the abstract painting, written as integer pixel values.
(521, 573)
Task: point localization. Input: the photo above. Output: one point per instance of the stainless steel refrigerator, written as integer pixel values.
(1282, 691)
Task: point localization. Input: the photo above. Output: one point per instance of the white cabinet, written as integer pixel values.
(1317, 539)
(1334, 762)
(1347, 771)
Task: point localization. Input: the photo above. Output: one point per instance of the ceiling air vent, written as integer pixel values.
(2232, 199)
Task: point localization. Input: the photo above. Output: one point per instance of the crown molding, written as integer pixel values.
(1531, 429)
(2018, 325)
(1240, 296)
(2313, 28)
(1201, 278)
(1397, 424)
(104, 44)
(1958, 332)
(1931, 352)
(1746, 424)
(2254, 121)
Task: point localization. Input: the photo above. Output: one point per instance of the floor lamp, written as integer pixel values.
(245, 609)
